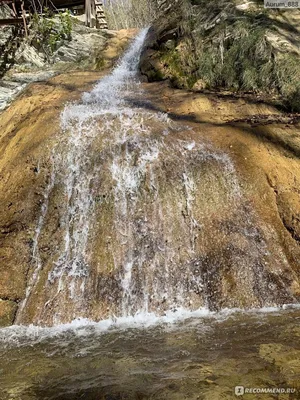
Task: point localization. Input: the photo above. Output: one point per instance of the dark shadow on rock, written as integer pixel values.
(262, 134)
(8, 50)
(148, 105)
(258, 131)
(50, 393)
(68, 87)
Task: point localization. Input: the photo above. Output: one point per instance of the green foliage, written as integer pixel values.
(48, 32)
(232, 55)
(99, 63)
(172, 59)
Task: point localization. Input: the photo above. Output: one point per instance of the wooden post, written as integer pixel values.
(90, 13)
(87, 12)
(14, 9)
(93, 14)
(24, 18)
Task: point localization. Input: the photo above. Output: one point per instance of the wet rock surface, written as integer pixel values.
(289, 209)
(43, 101)
(169, 210)
(30, 131)
(8, 311)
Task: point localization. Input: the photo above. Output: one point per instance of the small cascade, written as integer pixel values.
(148, 218)
(36, 257)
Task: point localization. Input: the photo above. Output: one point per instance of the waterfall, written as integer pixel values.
(148, 219)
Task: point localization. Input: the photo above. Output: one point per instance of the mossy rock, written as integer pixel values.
(7, 312)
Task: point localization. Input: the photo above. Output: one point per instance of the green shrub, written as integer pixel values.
(235, 56)
(48, 32)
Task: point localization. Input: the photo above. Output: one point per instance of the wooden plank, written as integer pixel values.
(93, 10)
(24, 18)
(56, 3)
(67, 3)
(11, 21)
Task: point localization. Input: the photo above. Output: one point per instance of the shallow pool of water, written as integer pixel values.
(195, 358)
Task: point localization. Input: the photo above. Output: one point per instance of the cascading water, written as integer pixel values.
(148, 218)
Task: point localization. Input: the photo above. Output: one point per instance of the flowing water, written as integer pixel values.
(203, 357)
(145, 229)
(142, 216)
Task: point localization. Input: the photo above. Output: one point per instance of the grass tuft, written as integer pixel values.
(228, 49)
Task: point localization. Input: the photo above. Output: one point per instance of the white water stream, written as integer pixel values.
(159, 192)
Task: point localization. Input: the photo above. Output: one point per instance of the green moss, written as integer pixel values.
(99, 63)
(191, 80)
(156, 75)
(174, 69)
(173, 60)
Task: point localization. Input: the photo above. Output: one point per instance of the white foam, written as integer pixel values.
(20, 335)
(190, 146)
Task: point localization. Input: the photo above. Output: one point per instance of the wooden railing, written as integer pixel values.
(94, 12)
